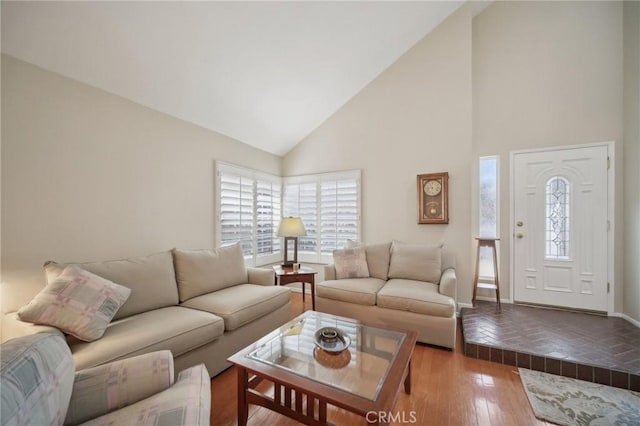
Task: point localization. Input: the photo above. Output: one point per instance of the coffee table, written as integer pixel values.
(365, 378)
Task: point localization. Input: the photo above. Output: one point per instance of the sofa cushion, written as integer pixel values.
(151, 279)
(37, 378)
(77, 302)
(350, 263)
(241, 304)
(419, 262)
(416, 296)
(175, 328)
(361, 291)
(378, 256)
(203, 271)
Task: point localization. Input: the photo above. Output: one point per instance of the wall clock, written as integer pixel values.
(433, 198)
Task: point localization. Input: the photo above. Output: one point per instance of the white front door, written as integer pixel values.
(560, 227)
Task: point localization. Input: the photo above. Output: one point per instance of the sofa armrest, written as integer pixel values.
(329, 272)
(448, 283)
(186, 403)
(261, 276)
(13, 327)
(105, 388)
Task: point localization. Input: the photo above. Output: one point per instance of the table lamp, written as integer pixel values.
(291, 228)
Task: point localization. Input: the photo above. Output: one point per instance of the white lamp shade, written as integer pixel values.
(291, 227)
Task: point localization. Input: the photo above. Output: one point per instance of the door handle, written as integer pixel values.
(519, 236)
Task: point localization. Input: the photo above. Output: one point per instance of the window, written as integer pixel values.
(557, 218)
(329, 206)
(300, 200)
(251, 204)
(488, 210)
(249, 211)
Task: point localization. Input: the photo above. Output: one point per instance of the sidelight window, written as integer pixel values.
(488, 207)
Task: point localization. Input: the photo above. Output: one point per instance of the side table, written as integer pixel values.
(286, 275)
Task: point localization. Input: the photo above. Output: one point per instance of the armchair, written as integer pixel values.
(39, 387)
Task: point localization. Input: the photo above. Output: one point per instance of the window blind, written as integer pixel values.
(329, 206)
(249, 211)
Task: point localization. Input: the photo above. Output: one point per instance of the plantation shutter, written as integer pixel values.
(339, 214)
(236, 211)
(329, 206)
(268, 196)
(249, 212)
(300, 200)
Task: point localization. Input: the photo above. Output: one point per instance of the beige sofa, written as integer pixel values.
(410, 286)
(202, 305)
(40, 386)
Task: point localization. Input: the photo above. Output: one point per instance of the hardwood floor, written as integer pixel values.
(447, 389)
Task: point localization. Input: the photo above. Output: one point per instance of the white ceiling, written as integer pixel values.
(264, 73)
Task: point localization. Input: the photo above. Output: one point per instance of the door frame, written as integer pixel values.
(610, 214)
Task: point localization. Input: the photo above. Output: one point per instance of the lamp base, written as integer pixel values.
(287, 261)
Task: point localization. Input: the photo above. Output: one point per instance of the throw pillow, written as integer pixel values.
(420, 262)
(378, 256)
(353, 244)
(77, 302)
(350, 263)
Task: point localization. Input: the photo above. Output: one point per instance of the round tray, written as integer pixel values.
(335, 344)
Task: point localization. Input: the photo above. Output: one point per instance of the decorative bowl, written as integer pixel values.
(333, 360)
(331, 339)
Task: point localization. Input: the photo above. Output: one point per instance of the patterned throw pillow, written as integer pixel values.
(77, 302)
(350, 263)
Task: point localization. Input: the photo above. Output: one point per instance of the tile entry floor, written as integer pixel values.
(588, 347)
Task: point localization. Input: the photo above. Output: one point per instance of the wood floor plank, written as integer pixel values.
(447, 389)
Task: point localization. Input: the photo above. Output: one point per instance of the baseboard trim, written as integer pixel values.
(492, 299)
(299, 290)
(461, 305)
(627, 318)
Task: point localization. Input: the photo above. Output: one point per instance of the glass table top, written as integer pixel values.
(361, 369)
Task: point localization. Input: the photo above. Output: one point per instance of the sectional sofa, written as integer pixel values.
(203, 305)
(409, 286)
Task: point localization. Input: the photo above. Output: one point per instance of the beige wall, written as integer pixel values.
(87, 175)
(543, 74)
(414, 118)
(547, 74)
(632, 159)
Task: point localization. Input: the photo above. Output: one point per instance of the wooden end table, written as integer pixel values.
(286, 275)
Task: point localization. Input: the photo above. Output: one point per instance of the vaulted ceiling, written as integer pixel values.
(264, 73)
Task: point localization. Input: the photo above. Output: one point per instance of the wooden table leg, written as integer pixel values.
(303, 294)
(243, 406)
(407, 380)
(313, 293)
